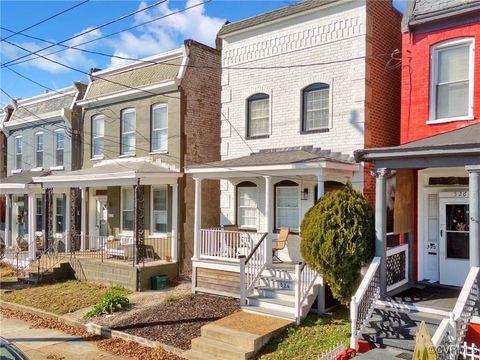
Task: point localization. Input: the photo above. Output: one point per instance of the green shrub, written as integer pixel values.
(172, 297)
(114, 300)
(338, 239)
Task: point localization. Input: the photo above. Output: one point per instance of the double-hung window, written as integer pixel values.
(451, 91)
(18, 152)
(60, 214)
(159, 128)
(39, 149)
(316, 113)
(258, 115)
(247, 195)
(39, 213)
(98, 134)
(159, 210)
(128, 131)
(287, 205)
(59, 147)
(128, 209)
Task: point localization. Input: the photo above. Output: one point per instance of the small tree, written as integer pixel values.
(338, 239)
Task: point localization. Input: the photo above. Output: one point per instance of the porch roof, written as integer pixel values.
(299, 158)
(459, 147)
(114, 173)
(20, 180)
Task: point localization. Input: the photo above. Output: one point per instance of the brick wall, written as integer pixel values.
(416, 81)
(201, 139)
(382, 100)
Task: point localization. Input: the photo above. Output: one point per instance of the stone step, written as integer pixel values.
(199, 355)
(272, 303)
(245, 341)
(269, 312)
(216, 347)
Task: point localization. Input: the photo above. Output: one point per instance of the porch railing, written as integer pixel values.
(305, 277)
(251, 267)
(227, 245)
(362, 304)
(451, 333)
(397, 267)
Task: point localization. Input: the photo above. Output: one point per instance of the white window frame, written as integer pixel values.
(152, 225)
(277, 226)
(165, 150)
(37, 136)
(123, 231)
(19, 139)
(434, 51)
(60, 131)
(238, 207)
(37, 214)
(95, 136)
(122, 132)
(64, 215)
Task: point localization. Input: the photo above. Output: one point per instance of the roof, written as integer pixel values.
(467, 137)
(423, 11)
(273, 15)
(288, 156)
(24, 178)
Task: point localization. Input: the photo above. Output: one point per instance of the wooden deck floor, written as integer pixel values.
(430, 296)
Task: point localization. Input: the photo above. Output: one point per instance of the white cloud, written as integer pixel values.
(166, 33)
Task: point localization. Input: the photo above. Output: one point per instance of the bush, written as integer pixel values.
(338, 239)
(114, 300)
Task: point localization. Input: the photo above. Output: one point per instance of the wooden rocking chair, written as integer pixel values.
(279, 244)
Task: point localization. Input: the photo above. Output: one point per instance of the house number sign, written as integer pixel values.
(460, 194)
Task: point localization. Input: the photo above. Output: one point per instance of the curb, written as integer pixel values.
(90, 327)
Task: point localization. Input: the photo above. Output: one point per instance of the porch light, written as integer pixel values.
(304, 194)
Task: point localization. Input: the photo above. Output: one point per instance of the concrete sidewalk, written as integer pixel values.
(50, 344)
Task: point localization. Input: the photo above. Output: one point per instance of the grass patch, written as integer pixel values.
(315, 335)
(172, 297)
(62, 298)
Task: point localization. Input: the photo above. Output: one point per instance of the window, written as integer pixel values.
(159, 210)
(98, 127)
(18, 152)
(452, 80)
(59, 147)
(39, 213)
(59, 214)
(160, 127)
(39, 149)
(128, 131)
(286, 205)
(128, 209)
(247, 194)
(258, 115)
(315, 107)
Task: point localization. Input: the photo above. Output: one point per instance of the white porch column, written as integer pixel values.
(320, 185)
(474, 208)
(83, 220)
(381, 175)
(197, 237)
(8, 225)
(32, 245)
(268, 219)
(174, 246)
(67, 233)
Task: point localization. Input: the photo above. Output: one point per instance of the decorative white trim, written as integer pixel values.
(127, 155)
(57, 168)
(16, 171)
(452, 119)
(36, 169)
(97, 158)
(185, 61)
(48, 96)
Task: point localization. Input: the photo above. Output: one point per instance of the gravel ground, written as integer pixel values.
(174, 323)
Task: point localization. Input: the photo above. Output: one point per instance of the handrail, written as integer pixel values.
(251, 267)
(255, 248)
(304, 279)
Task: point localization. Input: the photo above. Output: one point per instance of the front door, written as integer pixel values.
(101, 215)
(454, 240)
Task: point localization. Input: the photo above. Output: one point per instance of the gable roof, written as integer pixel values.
(273, 15)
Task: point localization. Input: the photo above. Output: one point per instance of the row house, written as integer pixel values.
(302, 88)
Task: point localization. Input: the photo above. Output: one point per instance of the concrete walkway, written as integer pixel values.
(50, 344)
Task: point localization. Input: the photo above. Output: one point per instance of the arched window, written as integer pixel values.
(247, 211)
(287, 201)
(316, 107)
(258, 115)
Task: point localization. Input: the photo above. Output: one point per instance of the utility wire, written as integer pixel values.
(44, 20)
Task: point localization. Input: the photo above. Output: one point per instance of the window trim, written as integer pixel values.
(59, 131)
(64, 215)
(285, 184)
(253, 97)
(434, 51)
(245, 184)
(126, 111)
(153, 107)
(37, 136)
(42, 214)
(311, 87)
(122, 230)
(152, 231)
(18, 138)
(93, 137)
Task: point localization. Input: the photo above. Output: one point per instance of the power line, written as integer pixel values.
(44, 20)
(36, 52)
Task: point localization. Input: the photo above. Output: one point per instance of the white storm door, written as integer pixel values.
(454, 241)
(101, 215)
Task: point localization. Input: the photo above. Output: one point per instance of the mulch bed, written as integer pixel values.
(115, 346)
(176, 323)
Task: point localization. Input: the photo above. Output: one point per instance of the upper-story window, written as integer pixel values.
(315, 107)
(39, 149)
(128, 131)
(18, 152)
(258, 115)
(451, 92)
(159, 128)
(59, 147)
(98, 133)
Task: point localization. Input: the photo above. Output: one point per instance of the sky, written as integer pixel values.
(200, 22)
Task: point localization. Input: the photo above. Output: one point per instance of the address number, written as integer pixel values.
(460, 194)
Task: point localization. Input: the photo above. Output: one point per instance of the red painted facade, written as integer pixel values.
(416, 81)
